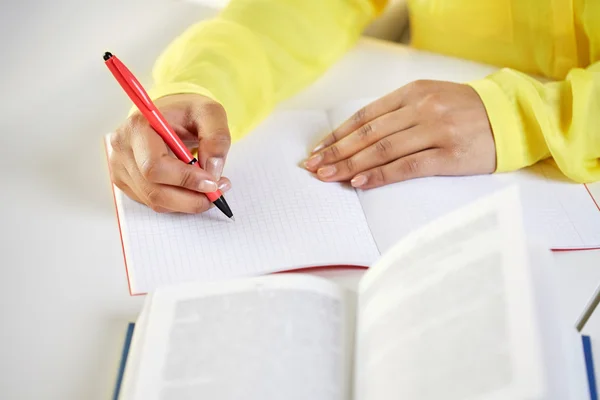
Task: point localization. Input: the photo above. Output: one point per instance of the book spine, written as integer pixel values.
(589, 366)
(123, 362)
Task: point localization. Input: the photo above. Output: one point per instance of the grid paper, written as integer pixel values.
(557, 212)
(285, 218)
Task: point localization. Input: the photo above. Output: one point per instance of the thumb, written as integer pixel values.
(214, 138)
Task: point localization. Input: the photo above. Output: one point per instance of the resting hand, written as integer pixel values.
(143, 167)
(423, 129)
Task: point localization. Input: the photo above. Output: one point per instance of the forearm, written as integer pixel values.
(258, 52)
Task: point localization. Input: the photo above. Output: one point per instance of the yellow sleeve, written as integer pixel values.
(532, 121)
(258, 52)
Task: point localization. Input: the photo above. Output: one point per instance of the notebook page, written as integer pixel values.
(557, 212)
(285, 218)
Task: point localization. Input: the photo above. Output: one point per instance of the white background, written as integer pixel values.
(63, 290)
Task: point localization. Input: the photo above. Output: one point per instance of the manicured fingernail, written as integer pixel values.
(319, 147)
(214, 166)
(225, 186)
(358, 181)
(314, 161)
(326, 171)
(207, 186)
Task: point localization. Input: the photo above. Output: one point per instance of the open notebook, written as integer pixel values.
(287, 219)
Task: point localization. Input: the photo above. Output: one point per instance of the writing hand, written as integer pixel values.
(143, 167)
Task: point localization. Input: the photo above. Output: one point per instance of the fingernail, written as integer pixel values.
(314, 161)
(358, 181)
(326, 171)
(225, 186)
(207, 186)
(214, 166)
(319, 147)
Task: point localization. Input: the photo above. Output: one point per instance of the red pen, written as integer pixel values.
(140, 98)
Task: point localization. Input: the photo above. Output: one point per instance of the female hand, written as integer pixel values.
(143, 167)
(423, 129)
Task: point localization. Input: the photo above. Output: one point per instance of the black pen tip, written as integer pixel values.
(107, 55)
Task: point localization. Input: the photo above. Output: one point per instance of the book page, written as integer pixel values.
(285, 218)
(286, 336)
(133, 358)
(450, 312)
(560, 213)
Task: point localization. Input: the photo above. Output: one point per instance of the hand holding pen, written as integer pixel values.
(141, 165)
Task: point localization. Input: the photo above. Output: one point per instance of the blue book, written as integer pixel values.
(589, 366)
(123, 362)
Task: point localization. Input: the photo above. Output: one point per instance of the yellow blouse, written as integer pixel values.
(256, 53)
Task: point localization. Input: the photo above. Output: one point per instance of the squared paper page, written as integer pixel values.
(285, 218)
(557, 212)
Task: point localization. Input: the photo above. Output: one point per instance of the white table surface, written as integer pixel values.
(63, 288)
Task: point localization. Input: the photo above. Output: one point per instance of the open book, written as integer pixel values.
(287, 219)
(460, 309)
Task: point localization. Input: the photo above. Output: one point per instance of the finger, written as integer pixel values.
(157, 166)
(165, 198)
(390, 102)
(162, 197)
(364, 136)
(126, 185)
(214, 137)
(425, 163)
(124, 171)
(139, 197)
(120, 177)
(386, 150)
(175, 199)
(224, 185)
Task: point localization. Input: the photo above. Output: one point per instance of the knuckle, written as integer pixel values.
(118, 182)
(360, 116)
(135, 120)
(154, 195)
(116, 170)
(187, 178)
(383, 147)
(149, 169)
(349, 164)
(114, 177)
(114, 163)
(378, 175)
(450, 127)
(452, 134)
(117, 140)
(333, 152)
(365, 131)
(158, 209)
(410, 167)
(204, 110)
(199, 207)
(211, 109)
(333, 137)
(433, 103)
(416, 86)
